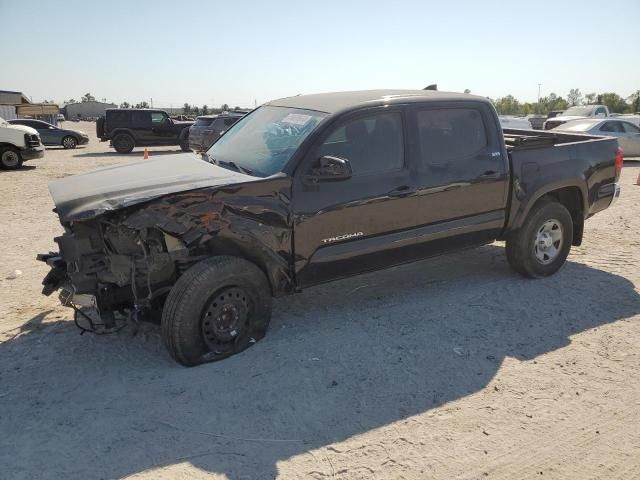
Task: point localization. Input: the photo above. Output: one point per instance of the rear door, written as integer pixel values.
(350, 226)
(462, 175)
(630, 142)
(141, 127)
(48, 133)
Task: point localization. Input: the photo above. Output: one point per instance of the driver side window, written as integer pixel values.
(158, 118)
(372, 144)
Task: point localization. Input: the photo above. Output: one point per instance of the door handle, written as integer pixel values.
(491, 175)
(402, 191)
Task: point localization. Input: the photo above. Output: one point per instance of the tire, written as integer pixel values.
(123, 143)
(69, 142)
(541, 246)
(217, 308)
(10, 158)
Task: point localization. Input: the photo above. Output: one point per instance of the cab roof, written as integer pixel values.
(340, 101)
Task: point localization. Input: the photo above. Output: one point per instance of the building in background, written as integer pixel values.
(17, 105)
(86, 110)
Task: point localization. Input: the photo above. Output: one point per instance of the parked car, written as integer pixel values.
(208, 128)
(627, 133)
(52, 135)
(128, 128)
(511, 121)
(313, 188)
(18, 143)
(536, 121)
(60, 118)
(574, 113)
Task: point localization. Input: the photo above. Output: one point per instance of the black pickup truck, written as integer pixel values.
(128, 128)
(310, 189)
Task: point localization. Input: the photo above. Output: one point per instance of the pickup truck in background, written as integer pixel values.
(18, 143)
(574, 113)
(310, 189)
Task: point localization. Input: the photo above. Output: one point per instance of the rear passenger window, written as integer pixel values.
(630, 128)
(449, 134)
(118, 119)
(141, 119)
(229, 121)
(372, 144)
(615, 127)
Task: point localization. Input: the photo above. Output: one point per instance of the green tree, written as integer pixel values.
(634, 100)
(87, 97)
(224, 107)
(507, 105)
(574, 97)
(125, 105)
(186, 109)
(142, 105)
(466, 90)
(590, 98)
(613, 101)
(553, 102)
(205, 110)
(195, 110)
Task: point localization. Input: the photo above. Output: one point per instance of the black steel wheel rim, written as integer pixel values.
(225, 319)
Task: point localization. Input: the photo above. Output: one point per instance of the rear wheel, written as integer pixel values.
(10, 158)
(218, 307)
(542, 244)
(123, 143)
(69, 142)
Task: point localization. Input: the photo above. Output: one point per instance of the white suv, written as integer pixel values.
(18, 144)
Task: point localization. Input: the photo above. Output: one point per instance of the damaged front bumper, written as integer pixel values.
(118, 274)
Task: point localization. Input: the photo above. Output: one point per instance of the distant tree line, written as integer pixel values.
(509, 105)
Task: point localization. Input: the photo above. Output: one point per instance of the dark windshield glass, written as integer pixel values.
(265, 140)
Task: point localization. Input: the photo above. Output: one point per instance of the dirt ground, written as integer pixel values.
(454, 367)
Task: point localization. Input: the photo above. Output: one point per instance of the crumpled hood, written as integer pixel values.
(88, 195)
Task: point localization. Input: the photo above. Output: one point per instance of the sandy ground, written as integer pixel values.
(449, 368)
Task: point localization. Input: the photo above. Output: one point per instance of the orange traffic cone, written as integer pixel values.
(146, 154)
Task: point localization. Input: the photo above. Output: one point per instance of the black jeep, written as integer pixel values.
(129, 128)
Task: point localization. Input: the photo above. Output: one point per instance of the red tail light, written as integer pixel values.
(619, 162)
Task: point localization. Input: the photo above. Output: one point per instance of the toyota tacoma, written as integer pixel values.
(309, 189)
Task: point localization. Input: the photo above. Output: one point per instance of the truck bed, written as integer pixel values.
(546, 160)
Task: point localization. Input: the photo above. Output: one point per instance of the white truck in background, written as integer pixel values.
(18, 143)
(574, 113)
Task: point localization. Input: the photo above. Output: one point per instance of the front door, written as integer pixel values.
(162, 129)
(362, 223)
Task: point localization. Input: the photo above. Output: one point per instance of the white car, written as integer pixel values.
(18, 143)
(510, 121)
(627, 133)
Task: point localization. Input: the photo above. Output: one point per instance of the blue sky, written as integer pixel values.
(235, 52)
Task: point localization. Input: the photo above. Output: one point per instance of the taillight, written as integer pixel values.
(619, 162)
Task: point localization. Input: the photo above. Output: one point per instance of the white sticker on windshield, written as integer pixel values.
(296, 119)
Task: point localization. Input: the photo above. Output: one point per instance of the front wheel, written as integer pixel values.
(10, 158)
(69, 142)
(218, 307)
(542, 244)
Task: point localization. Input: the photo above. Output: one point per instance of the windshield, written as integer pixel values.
(579, 111)
(264, 141)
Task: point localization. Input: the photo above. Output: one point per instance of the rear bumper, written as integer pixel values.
(616, 194)
(32, 153)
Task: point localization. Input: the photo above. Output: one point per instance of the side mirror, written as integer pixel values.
(330, 168)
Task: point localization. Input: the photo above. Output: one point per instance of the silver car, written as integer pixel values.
(627, 133)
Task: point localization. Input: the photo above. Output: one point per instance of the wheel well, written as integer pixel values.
(571, 198)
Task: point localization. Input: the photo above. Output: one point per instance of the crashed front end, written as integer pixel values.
(107, 267)
(131, 231)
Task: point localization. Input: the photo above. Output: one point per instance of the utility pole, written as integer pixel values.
(151, 102)
(539, 85)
